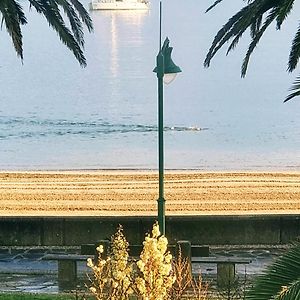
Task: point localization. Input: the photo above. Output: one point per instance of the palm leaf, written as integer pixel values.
(295, 90)
(235, 42)
(247, 17)
(245, 22)
(255, 41)
(83, 14)
(233, 27)
(74, 21)
(255, 26)
(251, 16)
(50, 10)
(284, 272)
(213, 5)
(13, 17)
(295, 52)
(291, 292)
(284, 11)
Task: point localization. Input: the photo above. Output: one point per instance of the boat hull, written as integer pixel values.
(118, 6)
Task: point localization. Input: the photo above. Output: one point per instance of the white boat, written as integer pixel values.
(119, 4)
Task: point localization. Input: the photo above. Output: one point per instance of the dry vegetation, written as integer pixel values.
(135, 193)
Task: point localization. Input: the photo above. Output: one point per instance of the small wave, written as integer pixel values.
(17, 127)
(183, 128)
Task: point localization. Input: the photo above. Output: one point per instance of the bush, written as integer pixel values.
(155, 276)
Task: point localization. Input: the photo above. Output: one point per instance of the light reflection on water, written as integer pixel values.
(53, 114)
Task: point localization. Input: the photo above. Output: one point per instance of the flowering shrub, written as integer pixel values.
(155, 265)
(120, 270)
(155, 276)
(112, 277)
(100, 275)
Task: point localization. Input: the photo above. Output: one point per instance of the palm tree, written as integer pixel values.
(257, 16)
(13, 17)
(281, 281)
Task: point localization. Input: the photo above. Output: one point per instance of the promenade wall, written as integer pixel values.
(200, 230)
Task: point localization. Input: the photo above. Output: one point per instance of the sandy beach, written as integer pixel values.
(129, 193)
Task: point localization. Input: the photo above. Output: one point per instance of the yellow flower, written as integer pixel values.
(102, 262)
(141, 265)
(89, 263)
(155, 230)
(155, 265)
(140, 283)
(168, 258)
(100, 249)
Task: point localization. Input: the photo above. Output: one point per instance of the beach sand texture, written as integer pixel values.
(134, 193)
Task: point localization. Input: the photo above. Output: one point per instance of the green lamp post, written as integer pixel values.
(166, 71)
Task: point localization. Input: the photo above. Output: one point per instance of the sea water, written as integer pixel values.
(56, 115)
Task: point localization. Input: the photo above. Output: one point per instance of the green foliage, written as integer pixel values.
(281, 280)
(257, 16)
(13, 18)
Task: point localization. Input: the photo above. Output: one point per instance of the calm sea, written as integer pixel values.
(56, 115)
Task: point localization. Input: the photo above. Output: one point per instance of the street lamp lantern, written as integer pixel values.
(167, 68)
(166, 71)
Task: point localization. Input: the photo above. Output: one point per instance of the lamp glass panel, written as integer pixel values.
(169, 77)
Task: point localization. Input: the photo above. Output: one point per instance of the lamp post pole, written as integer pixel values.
(161, 200)
(166, 72)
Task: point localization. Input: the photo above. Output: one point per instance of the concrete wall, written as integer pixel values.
(200, 230)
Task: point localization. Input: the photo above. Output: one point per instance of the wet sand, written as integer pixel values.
(134, 193)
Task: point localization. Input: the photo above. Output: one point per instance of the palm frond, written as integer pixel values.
(295, 90)
(76, 25)
(49, 8)
(83, 14)
(13, 17)
(255, 26)
(255, 41)
(213, 5)
(295, 52)
(233, 27)
(251, 17)
(234, 42)
(291, 292)
(283, 272)
(284, 11)
(242, 26)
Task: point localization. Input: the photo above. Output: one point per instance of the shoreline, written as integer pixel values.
(79, 193)
(154, 170)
